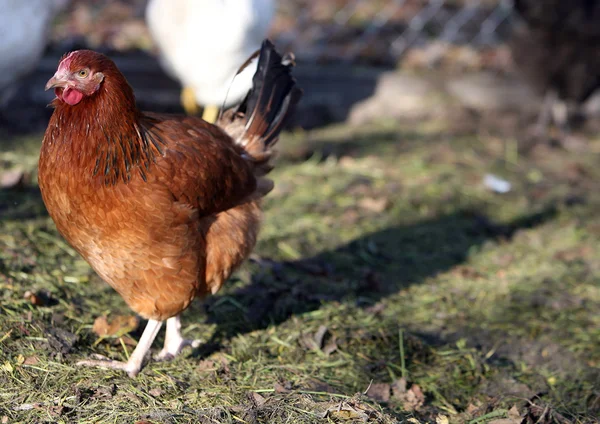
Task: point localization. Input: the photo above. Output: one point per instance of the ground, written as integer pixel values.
(389, 285)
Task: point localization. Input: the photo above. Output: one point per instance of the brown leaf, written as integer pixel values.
(321, 340)
(320, 336)
(514, 413)
(116, 327)
(258, 399)
(399, 387)
(135, 399)
(57, 410)
(31, 360)
(379, 392)
(206, 365)
(513, 417)
(442, 419)
(280, 388)
(348, 410)
(156, 392)
(106, 392)
(373, 205)
(411, 399)
(331, 346)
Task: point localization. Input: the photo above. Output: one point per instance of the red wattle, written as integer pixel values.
(71, 96)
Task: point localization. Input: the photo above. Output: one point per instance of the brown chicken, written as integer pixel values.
(163, 207)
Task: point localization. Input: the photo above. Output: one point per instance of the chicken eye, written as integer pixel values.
(83, 73)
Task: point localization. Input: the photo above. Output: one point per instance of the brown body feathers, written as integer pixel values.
(163, 207)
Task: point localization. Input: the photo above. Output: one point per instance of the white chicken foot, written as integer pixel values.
(174, 341)
(133, 366)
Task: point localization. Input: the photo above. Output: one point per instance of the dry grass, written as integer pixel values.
(383, 262)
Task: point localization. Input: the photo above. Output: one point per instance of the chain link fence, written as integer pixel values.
(385, 32)
(373, 32)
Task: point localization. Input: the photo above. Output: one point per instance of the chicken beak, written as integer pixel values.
(55, 82)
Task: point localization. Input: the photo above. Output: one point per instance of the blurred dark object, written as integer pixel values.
(24, 33)
(24, 30)
(556, 47)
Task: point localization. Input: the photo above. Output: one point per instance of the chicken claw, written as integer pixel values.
(131, 368)
(174, 342)
(134, 365)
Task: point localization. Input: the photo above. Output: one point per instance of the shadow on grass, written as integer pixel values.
(361, 272)
(21, 203)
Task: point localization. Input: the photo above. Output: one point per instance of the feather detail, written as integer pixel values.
(116, 141)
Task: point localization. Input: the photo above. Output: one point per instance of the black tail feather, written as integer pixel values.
(256, 123)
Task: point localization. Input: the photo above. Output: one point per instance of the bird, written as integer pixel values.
(203, 43)
(163, 207)
(24, 28)
(555, 46)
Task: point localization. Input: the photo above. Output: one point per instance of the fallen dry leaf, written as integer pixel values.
(258, 399)
(31, 360)
(116, 327)
(206, 365)
(320, 336)
(282, 388)
(348, 410)
(514, 417)
(156, 392)
(379, 392)
(514, 413)
(442, 419)
(471, 409)
(411, 399)
(331, 346)
(373, 205)
(321, 340)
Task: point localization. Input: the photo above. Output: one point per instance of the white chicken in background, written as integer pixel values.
(203, 43)
(24, 27)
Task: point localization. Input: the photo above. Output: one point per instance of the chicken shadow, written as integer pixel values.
(361, 272)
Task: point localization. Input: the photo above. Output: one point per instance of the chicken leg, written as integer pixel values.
(211, 113)
(174, 342)
(188, 101)
(136, 360)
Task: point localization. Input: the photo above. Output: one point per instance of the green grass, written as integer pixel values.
(383, 261)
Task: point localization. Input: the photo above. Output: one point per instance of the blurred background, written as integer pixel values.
(345, 49)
